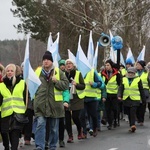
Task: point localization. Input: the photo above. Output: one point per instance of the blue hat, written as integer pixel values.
(129, 61)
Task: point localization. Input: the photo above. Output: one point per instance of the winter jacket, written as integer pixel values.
(44, 102)
(76, 103)
(107, 75)
(129, 102)
(97, 84)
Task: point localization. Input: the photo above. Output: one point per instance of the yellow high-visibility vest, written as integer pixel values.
(112, 86)
(143, 78)
(80, 93)
(131, 90)
(89, 91)
(123, 72)
(57, 93)
(12, 102)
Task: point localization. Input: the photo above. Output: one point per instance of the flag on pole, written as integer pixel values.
(130, 56)
(122, 59)
(54, 49)
(82, 62)
(113, 55)
(32, 81)
(90, 53)
(142, 54)
(110, 33)
(72, 57)
(95, 58)
(50, 42)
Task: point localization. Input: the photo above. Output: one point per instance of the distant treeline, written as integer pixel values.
(12, 51)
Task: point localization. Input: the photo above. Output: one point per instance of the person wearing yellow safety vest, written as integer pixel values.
(148, 100)
(62, 121)
(76, 85)
(1, 80)
(26, 134)
(48, 102)
(145, 78)
(123, 71)
(12, 100)
(128, 64)
(94, 85)
(112, 80)
(131, 92)
(101, 106)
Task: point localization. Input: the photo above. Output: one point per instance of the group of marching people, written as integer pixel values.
(65, 96)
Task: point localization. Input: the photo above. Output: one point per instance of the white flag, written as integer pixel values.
(31, 79)
(82, 62)
(90, 52)
(142, 54)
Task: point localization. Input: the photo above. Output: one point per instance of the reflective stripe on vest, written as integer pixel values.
(89, 91)
(131, 90)
(57, 93)
(80, 93)
(112, 87)
(143, 78)
(13, 102)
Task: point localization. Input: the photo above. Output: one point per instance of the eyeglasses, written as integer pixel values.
(69, 63)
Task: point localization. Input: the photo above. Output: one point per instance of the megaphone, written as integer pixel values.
(104, 40)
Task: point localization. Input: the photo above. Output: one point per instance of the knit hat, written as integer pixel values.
(70, 61)
(121, 65)
(61, 62)
(142, 63)
(132, 69)
(129, 61)
(48, 55)
(110, 62)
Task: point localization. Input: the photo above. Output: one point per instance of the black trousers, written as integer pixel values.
(91, 108)
(76, 114)
(111, 106)
(131, 112)
(14, 139)
(12, 135)
(141, 112)
(76, 119)
(68, 124)
(61, 128)
(27, 129)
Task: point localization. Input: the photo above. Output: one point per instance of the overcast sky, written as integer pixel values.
(7, 31)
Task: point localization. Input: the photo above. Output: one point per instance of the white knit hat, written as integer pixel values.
(70, 60)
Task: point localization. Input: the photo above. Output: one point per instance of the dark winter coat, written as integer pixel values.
(44, 102)
(76, 103)
(128, 102)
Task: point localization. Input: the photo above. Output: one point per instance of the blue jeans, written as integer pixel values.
(40, 133)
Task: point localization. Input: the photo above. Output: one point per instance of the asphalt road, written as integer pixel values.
(116, 139)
